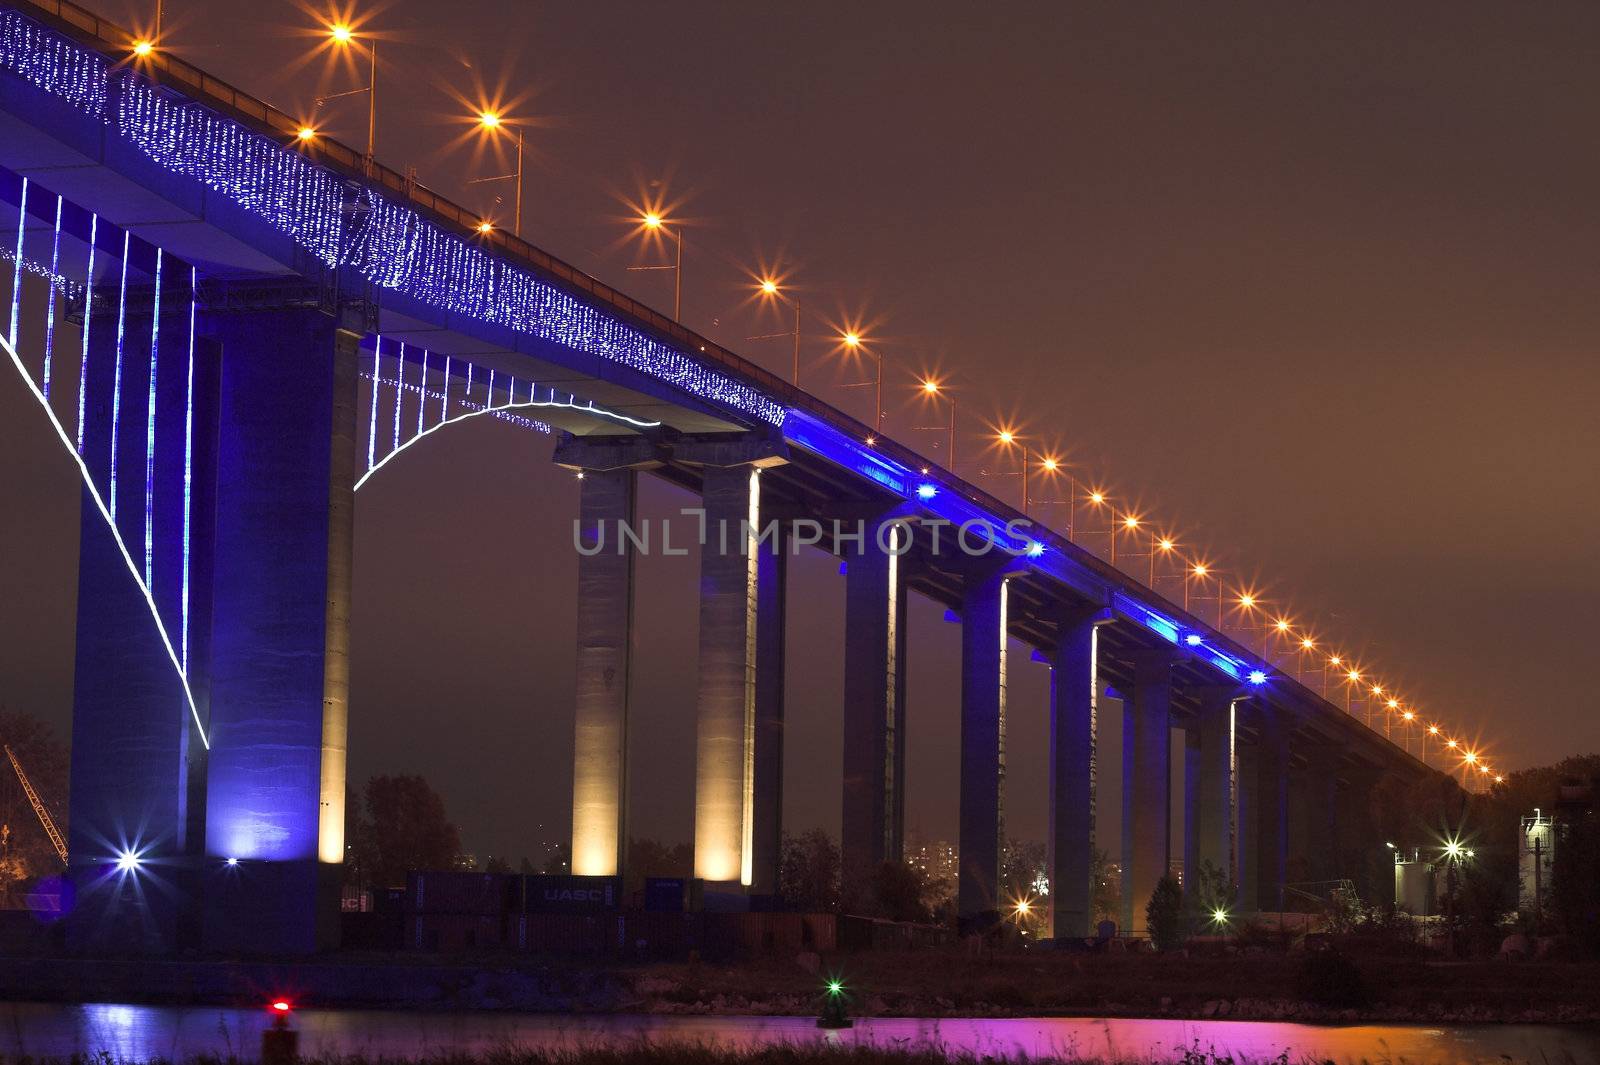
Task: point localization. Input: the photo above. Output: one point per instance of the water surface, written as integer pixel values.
(143, 1033)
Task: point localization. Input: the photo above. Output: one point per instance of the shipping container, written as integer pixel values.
(664, 894)
(570, 894)
(482, 894)
(661, 936)
(564, 933)
(452, 933)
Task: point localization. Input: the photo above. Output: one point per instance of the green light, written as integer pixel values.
(835, 987)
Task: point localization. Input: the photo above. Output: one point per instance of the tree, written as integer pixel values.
(898, 890)
(1022, 872)
(648, 857)
(408, 829)
(1106, 899)
(808, 872)
(1164, 914)
(1209, 893)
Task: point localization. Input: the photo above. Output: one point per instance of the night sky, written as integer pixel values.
(1312, 286)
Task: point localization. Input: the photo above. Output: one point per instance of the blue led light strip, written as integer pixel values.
(503, 409)
(377, 375)
(188, 462)
(88, 317)
(116, 385)
(16, 270)
(422, 407)
(150, 434)
(50, 311)
(122, 546)
(399, 390)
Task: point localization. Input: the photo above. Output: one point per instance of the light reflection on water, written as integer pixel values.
(142, 1033)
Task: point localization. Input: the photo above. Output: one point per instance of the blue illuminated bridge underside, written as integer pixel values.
(213, 180)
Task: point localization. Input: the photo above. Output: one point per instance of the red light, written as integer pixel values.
(281, 1006)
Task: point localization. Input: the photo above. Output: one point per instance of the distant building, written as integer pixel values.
(1536, 860)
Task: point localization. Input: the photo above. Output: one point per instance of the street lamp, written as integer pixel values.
(492, 122)
(654, 223)
(932, 389)
(853, 342)
(769, 289)
(343, 36)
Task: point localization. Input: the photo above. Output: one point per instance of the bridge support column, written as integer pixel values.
(138, 759)
(983, 748)
(1315, 840)
(1363, 856)
(1190, 855)
(280, 645)
(874, 706)
(1247, 800)
(738, 752)
(1212, 824)
(1074, 728)
(1272, 808)
(1147, 785)
(606, 499)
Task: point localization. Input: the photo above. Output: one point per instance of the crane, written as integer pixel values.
(38, 807)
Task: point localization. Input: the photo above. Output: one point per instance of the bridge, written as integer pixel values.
(231, 327)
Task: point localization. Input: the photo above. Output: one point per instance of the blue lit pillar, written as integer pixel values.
(873, 809)
(983, 747)
(280, 643)
(1074, 725)
(1147, 784)
(739, 713)
(1272, 808)
(138, 757)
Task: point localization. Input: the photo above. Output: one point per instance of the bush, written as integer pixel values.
(1164, 914)
(1327, 978)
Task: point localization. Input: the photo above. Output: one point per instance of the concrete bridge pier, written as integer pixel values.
(1271, 808)
(138, 761)
(983, 747)
(1209, 821)
(874, 704)
(1247, 798)
(1147, 784)
(606, 500)
(1074, 727)
(738, 749)
(1363, 853)
(1314, 842)
(281, 627)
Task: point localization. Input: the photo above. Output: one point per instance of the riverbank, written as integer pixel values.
(929, 984)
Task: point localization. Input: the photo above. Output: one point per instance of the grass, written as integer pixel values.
(691, 1054)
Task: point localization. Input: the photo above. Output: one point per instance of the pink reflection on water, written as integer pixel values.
(141, 1033)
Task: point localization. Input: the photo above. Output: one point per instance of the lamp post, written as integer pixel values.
(854, 343)
(344, 36)
(933, 390)
(769, 290)
(492, 122)
(654, 223)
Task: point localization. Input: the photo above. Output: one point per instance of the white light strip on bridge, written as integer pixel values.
(127, 557)
(565, 404)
